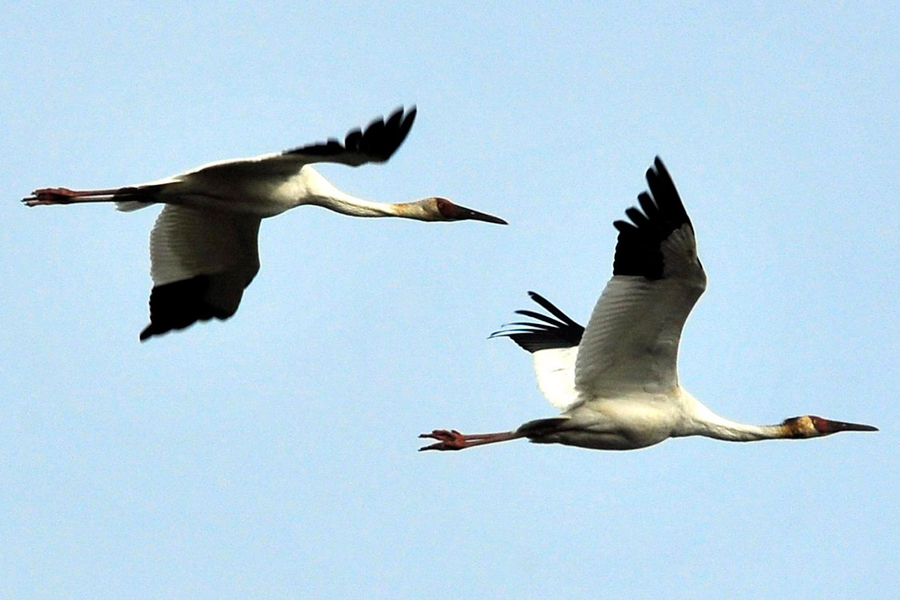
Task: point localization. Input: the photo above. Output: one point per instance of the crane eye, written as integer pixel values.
(444, 207)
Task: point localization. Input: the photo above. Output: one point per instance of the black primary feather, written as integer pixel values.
(638, 247)
(376, 144)
(558, 332)
(180, 304)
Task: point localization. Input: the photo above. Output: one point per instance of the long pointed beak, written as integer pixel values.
(467, 214)
(826, 427)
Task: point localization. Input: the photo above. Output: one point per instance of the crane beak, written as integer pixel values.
(461, 213)
(826, 427)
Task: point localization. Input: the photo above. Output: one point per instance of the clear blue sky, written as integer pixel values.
(274, 455)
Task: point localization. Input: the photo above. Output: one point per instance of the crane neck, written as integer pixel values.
(356, 207)
(702, 421)
(320, 192)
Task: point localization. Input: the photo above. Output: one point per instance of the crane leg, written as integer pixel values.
(48, 196)
(454, 440)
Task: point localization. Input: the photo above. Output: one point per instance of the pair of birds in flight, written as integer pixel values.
(615, 381)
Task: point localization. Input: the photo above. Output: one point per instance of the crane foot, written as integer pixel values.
(447, 440)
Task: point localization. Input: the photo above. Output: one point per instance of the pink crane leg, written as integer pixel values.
(48, 196)
(454, 440)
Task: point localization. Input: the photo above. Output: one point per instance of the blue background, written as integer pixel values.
(275, 455)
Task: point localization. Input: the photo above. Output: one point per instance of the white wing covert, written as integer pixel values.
(631, 341)
(555, 373)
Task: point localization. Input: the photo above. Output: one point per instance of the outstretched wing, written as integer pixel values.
(201, 261)
(252, 176)
(375, 144)
(553, 344)
(631, 341)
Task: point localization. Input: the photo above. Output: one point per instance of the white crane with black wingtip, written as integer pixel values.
(616, 381)
(203, 247)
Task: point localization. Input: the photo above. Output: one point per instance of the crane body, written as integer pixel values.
(616, 380)
(203, 246)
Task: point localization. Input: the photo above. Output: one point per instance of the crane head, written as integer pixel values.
(441, 209)
(809, 426)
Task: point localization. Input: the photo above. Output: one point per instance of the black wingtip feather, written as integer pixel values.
(559, 332)
(180, 304)
(376, 143)
(638, 250)
(552, 309)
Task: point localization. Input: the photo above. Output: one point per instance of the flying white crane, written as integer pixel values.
(203, 246)
(616, 382)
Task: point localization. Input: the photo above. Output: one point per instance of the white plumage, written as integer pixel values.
(203, 247)
(555, 372)
(616, 381)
